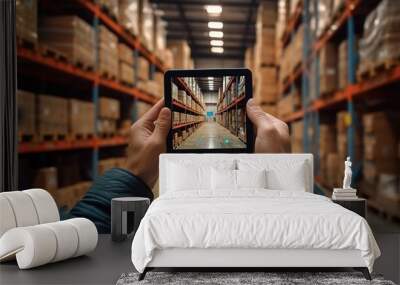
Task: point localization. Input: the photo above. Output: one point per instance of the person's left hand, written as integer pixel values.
(147, 140)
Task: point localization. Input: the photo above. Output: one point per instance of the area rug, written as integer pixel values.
(242, 278)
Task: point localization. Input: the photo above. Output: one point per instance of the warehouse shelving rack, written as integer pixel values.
(239, 99)
(50, 63)
(349, 96)
(185, 109)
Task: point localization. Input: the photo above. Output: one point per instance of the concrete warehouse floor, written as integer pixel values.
(211, 135)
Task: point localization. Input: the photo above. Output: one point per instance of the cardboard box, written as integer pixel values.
(26, 113)
(127, 73)
(106, 126)
(159, 33)
(379, 122)
(296, 137)
(288, 104)
(143, 69)
(140, 108)
(109, 108)
(108, 53)
(70, 35)
(328, 69)
(128, 15)
(380, 147)
(181, 54)
(265, 49)
(47, 179)
(333, 177)
(267, 13)
(52, 116)
(26, 20)
(146, 18)
(266, 88)
(125, 54)
(81, 117)
(327, 139)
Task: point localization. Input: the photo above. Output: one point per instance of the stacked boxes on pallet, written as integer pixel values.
(109, 113)
(128, 15)
(146, 31)
(81, 119)
(71, 36)
(26, 20)
(327, 145)
(52, 116)
(181, 54)
(296, 136)
(140, 108)
(266, 88)
(189, 117)
(343, 66)
(108, 53)
(328, 69)
(26, 114)
(380, 43)
(126, 64)
(381, 166)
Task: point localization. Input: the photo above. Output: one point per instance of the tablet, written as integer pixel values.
(209, 110)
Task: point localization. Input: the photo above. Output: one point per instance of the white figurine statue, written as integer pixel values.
(347, 174)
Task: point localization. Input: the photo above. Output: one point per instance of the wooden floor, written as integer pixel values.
(211, 135)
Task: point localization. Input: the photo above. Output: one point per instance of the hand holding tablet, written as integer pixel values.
(209, 110)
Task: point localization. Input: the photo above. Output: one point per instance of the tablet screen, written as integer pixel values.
(209, 113)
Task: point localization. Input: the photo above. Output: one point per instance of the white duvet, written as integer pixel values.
(250, 219)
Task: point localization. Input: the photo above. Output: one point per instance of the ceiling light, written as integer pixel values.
(217, 49)
(213, 10)
(217, 43)
(210, 78)
(216, 34)
(215, 25)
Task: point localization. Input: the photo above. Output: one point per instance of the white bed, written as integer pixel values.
(280, 225)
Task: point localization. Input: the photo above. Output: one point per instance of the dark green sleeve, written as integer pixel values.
(96, 204)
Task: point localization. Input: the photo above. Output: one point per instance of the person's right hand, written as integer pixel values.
(272, 134)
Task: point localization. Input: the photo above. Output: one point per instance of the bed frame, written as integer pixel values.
(246, 259)
(242, 259)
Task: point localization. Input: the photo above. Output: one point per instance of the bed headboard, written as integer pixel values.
(210, 159)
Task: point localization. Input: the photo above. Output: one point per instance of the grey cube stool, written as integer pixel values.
(126, 214)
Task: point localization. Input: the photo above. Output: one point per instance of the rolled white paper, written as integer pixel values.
(45, 205)
(67, 240)
(87, 235)
(23, 208)
(33, 246)
(7, 218)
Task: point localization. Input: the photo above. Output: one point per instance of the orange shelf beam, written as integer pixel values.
(64, 145)
(179, 81)
(70, 69)
(181, 105)
(355, 91)
(292, 22)
(122, 33)
(185, 125)
(232, 104)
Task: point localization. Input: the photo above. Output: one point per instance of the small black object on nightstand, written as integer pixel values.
(356, 205)
(126, 214)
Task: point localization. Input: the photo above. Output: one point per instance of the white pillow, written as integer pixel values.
(281, 174)
(184, 177)
(251, 178)
(223, 179)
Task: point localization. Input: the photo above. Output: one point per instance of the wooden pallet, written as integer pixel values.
(370, 69)
(107, 10)
(108, 75)
(26, 138)
(51, 137)
(129, 84)
(83, 65)
(106, 135)
(80, 136)
(25, 43)
(51, 52)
